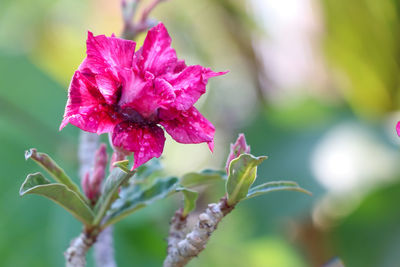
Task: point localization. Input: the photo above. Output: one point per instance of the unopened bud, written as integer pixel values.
(87, 189)
(91, 184)
(238, 148)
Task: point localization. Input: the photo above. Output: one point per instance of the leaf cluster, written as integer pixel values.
(125, 191)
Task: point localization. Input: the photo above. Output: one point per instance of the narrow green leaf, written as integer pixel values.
(122, 207)
(123, 165)
(37, 184)
(189, 198)
(242, 174)
(109, 192)
(204, 177)
(275, 186)
(54, 170)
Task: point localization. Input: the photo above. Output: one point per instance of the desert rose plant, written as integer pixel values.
(135, 95)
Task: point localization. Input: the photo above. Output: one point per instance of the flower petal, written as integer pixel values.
(145, 141)
(86, 106)
(146, 96)
(106, 57)
(190, 127)
(398, 128)
(113, 51)
(133, 85)
(164, 92)
(157, 55)
(190, 84)
(108, 81)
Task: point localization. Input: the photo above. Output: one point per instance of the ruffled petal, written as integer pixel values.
(113, 51)
(147, 95)
(86, 106)
(91, 121)
(109, 87)
(190, 127)
(164, 93)
(145, 141)
(398, 128)
(106, 82)
(157, 55)
(159, 94)
(190, 84)
(133, 85)
(106, 58)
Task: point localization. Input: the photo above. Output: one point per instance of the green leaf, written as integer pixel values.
(123, 165)
(54, 170)
(275, 186)
(109, 192)
(37, 184)
(242, 174)
(204, 177)
(122, 207)
(189, 198)
(149, 169)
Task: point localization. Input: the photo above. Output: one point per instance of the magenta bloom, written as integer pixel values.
(131, 94)
(398, 128)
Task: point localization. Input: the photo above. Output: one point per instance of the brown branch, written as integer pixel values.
(88, 145)
(129, 8)
(104, 249)
(75, 255)
(177, 230)
(146, 12)
(183, 247)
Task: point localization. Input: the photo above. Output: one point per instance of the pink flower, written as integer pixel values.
(238, 148)
(398, 128)
(131, 94)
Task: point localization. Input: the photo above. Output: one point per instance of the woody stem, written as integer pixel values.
(75, 255)
(129, 8)
(183, 247)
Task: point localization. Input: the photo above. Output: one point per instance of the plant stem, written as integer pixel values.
(183, 247)
(88, 144)
(75, 255)
(103, 249)
(129, 8)
(177, 231)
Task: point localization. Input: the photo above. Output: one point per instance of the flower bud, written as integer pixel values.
(86, 186)
(238, 148)
(91, 184)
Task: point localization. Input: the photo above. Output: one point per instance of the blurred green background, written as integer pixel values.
(313, 84)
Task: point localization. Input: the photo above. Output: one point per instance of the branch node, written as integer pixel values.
(183, 247)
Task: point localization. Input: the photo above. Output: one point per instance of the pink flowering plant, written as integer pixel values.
(131, 94)
(135, 95)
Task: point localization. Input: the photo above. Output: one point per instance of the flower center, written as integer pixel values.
(132, 115)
